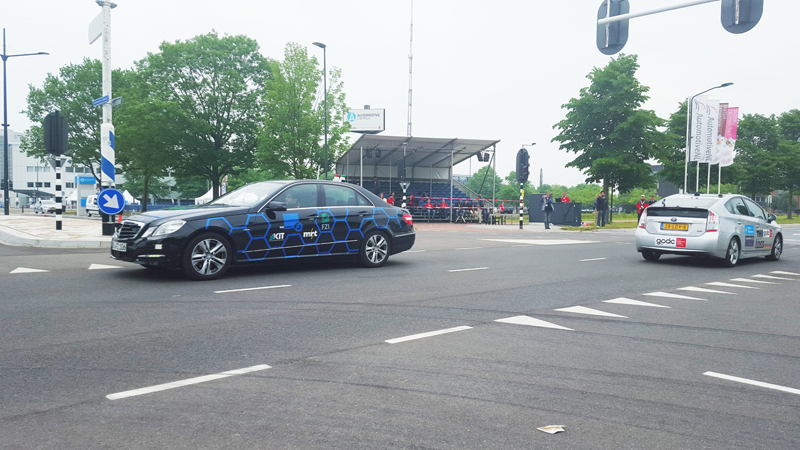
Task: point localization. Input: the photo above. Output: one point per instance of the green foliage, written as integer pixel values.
(757, 153)
(249, 176)
(216, 84)
(292, 141)
(606, 127)
(481, 182)
(153, 189)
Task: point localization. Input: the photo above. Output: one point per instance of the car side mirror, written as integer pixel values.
(772, 218)
(276, 206)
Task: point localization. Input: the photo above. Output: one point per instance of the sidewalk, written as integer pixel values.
(36, 230)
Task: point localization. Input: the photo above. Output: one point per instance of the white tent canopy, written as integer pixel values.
(205, 198)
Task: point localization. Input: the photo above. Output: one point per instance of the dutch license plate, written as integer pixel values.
(119, 246)
(675, 226)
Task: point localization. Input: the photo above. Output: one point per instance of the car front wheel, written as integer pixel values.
(207, 257)
(374, 250)
(777, 249)
(733, 253)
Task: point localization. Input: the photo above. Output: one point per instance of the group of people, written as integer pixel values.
(601, 207)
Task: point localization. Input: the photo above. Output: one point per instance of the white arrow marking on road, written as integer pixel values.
(111, 202)
(784, 273)
(26, 270)
(771, 277)
(103, 266)
(175, 384)
(668, 295)
(628, 301)
(753, 382)
(590, 311)
(719, 283)
(530, 321)
(746, 280)
(699, 289)
(428, 334)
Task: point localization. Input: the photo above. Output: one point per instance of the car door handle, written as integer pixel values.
(738, 223)
(362, 213)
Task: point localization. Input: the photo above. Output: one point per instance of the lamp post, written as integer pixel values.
(5, 121)
(325, 77)
(689, 133)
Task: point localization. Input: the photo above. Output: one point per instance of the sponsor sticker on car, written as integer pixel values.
(666, 242)
(749, 230)
(680, 242)
(749, 241)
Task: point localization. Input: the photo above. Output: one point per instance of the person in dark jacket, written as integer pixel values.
(602, 208)
(547, 207)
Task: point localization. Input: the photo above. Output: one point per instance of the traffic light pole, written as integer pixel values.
(521, 202)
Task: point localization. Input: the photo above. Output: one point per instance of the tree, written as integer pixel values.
(216, 84)
(481, 182)
(758, 138)
(606, 127)
(509, 191)
(155, 188)
(70, 92)
(789, 154)
(291, 144)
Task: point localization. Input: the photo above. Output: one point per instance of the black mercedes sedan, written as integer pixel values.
(263, 221)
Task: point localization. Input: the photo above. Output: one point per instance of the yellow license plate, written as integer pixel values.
(675, 226)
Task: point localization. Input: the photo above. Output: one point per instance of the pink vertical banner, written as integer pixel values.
(727, 149)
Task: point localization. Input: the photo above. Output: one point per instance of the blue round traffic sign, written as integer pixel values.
(110, 201)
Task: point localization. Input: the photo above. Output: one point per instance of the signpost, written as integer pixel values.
(110, 201)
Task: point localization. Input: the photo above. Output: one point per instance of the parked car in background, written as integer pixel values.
(727, 226)
(46, 206)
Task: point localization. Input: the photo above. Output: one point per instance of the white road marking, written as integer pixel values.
(527, 245)
(699, 289)
(753, 382)
(780, 272)
(719, 283)
(590, 311)
(746, 280)
(414, 251)
(428, 334)
(467, 270)
(181, 383)
(253, 289)
(468, 248)
(530, 321)
(27, 270)
(668, 295)
(628, 301)
(542, 241)
(770, 277)
(103, 266)
(591, 259)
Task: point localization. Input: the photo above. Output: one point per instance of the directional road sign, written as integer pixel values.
(100, 101)
(110, 201)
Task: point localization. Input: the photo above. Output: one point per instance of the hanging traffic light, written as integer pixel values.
(739, 16)
(611, 37)
(523, 166)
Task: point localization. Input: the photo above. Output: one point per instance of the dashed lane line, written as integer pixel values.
(628, 301)
(103, 266)
(187, 382)
(753, 382)
(699, 289)
(428, 334)
(468, 270)
(591, 259)
(719, 283)
(253, 288)
(771, 277)
(747, 280)
(468, 248)
(542, 241)
(669, 295)
(530, 321)
(781, 272)
(589, 311)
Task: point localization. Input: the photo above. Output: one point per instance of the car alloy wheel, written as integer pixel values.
(207, 257)
(777, 249)
(732, 255)
(375, 250)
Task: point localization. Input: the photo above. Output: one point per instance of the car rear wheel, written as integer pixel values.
(651, 256)
(207, 257)
(733, 253)
(374, 250)
(777, 249)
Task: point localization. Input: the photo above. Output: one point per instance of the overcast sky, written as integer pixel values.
(496, 69)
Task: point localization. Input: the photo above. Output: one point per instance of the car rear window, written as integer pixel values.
(687, 202)
(654, 211)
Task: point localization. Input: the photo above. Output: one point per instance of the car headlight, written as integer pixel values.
(165, 228)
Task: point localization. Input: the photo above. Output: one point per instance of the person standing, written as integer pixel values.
(640, 207)
(375, 185)
(652, 199)
(547, 207)
(479, 208)
(390, 200)
(602, 208)
(564, 198)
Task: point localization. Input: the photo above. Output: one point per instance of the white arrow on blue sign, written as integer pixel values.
(100, 101)
(110, 201)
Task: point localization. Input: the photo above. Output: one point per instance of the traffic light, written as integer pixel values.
(523, 166)
(739, 16)
(401, 168)
(55, 134)
(611, 37)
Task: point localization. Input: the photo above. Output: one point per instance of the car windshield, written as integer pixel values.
(248, 195)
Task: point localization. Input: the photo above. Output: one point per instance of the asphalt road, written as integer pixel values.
(124, 357)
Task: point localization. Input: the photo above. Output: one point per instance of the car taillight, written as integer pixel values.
(408, 219)
(713, 222)
(643, 219)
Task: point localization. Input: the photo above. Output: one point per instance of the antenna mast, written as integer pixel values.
(410, 58)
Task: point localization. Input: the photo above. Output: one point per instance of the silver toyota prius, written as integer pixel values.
(726, 226)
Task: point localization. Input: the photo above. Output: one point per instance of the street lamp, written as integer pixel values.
(5, 121)
(688, 136)
(325, 77)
